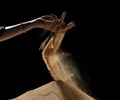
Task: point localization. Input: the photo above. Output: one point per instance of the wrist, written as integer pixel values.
(38, 23)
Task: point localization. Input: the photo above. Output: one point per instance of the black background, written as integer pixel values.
(21, 65)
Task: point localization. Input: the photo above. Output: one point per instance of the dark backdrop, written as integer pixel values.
(21, 65)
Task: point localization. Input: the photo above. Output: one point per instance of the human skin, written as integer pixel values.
(62, 88)
(45, 22)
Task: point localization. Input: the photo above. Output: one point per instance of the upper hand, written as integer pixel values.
(52, 23)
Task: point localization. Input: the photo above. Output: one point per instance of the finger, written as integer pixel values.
(61, 20)
(69, 26)
(62, 17)
(54, 17)
(47, 17)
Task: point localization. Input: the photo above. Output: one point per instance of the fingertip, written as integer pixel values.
(54, 16)
(70, 25)
(64, 12)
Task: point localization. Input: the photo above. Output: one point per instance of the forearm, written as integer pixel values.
(15, 30)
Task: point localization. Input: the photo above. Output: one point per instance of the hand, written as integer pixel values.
(59, 24)
(52, 23)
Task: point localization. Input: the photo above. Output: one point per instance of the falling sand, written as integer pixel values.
(66, 69)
